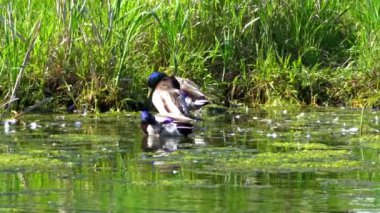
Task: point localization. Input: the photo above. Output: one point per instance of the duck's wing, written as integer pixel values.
(169, 102)
(179, 101)
(190, 88)
(194, 97)
(168, 109)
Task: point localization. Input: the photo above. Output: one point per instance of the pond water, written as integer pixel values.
(246, 160)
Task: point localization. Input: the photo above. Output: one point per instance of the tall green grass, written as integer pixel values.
(99, 54)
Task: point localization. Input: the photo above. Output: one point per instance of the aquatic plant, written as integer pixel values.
(99, 54)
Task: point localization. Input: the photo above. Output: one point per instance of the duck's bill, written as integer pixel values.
(150, 93)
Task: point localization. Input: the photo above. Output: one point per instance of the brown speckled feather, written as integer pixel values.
(190, 88)
(168, 100)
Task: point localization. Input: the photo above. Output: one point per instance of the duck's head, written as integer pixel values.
(155, 78)
(148, 118)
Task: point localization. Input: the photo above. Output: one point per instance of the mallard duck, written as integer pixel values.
(174, 96)
(167, 98)
(163, 126)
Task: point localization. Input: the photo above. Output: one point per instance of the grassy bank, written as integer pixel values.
(273, 52)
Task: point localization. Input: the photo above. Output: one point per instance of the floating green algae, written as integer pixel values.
(320, 160)
(173, 182)
(293, 145)
(82, 138)
(14, 161)
(312, 158)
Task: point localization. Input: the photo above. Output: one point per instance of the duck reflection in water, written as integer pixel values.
(164, 126)
(167, 144)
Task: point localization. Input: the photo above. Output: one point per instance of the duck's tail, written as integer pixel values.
(185, 128)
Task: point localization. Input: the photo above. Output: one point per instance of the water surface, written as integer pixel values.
(247, 160)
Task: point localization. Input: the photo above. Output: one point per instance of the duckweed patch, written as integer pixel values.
(293, 145)
(182, 182)
(80, 138)
(29, 162)
(299, 161)
(313, 158)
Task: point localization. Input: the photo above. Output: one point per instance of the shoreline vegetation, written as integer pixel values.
(99, 54)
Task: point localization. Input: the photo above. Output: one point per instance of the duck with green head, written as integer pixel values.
(174, 96)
